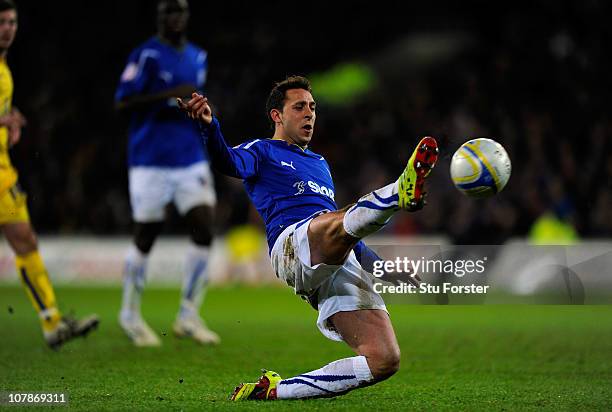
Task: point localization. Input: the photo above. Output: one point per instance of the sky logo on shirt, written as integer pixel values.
(314, 187)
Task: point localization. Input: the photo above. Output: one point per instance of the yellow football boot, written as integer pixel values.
(264, 389)
(410, 183)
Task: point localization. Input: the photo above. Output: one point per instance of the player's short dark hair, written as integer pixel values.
(277, 97)
(171, 5)
(7, 5)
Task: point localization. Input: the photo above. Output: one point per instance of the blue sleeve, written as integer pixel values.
(365, 256)
(203, 70)
(240, 162)
(141, 68)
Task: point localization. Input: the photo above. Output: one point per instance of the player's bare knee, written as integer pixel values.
(144, 245)
(23, 240)
(201, 236)
(384, 363)
(145, 235)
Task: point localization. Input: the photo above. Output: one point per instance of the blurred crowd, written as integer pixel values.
(533, 78)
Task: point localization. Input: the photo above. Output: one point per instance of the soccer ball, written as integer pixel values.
(480, 168)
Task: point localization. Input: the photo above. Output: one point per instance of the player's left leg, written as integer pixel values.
(57, 329)
(350, 310)
(370, 334)
(16, 227)
(31, 270)
(195, 199)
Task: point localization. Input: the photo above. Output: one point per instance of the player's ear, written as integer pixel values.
(275, 115)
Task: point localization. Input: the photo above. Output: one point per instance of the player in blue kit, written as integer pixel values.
(167, 163)
(312, 244)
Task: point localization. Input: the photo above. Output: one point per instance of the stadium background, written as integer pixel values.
(534, 76)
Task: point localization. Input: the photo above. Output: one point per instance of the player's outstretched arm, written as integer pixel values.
(239, 163)
(144, 101)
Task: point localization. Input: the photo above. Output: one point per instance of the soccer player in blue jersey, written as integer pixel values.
(315, 248)
(167, 163)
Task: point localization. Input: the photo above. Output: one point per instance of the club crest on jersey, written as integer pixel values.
(130, 72)
(299, 186)
(314, 187)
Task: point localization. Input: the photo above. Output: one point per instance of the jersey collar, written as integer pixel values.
(303, 149)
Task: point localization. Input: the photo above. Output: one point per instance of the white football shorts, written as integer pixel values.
(328, 288)
(152, 188)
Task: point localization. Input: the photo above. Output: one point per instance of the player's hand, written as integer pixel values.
(16, 122)
(14, 135)
(196, 108)
(18, 118)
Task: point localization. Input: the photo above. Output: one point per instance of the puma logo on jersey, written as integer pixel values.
(288, 164)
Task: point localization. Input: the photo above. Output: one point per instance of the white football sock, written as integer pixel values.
(333, 379)
(194, 280)
(134, 275)
(372, 212)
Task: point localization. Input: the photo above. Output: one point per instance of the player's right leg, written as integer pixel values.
(149, 195)
(189, 323)
(16, 227)
(333, 235)
(134, 278)
(195, 199)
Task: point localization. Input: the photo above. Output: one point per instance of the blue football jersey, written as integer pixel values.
(285, 182)
(161, 136)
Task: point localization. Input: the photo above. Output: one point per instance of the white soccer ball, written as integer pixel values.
(480, 168)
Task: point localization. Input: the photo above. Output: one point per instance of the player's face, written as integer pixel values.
(8, 28)
(298, 116)
(174, 16)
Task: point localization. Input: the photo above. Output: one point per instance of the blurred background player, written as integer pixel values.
(14, 216)
(167, 163)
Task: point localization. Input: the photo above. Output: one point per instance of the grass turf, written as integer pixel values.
(453, 357)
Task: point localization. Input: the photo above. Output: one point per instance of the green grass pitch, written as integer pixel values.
(453, 357)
